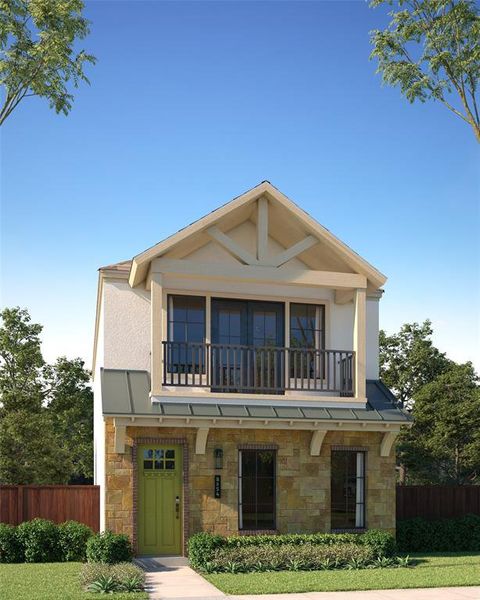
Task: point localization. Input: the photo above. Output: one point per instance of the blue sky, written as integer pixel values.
(192, 103)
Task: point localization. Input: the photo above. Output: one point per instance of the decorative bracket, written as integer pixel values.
(316, 442)
(119, 440)
(201, 440)
(388, 440)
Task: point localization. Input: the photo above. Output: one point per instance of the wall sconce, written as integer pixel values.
(218, 455)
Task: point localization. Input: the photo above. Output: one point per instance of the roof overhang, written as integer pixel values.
(141, 263)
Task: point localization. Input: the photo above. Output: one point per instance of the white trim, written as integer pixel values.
(201, 440)
(247, 400)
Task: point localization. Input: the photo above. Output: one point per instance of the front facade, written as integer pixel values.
(236, 382)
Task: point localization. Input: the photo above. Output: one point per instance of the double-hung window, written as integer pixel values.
(347, 489)
(256, 489)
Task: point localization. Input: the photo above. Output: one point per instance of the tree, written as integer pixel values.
(31, 451)
(37, 55)
(431, 50)
(70, 404)
(409, 360)
(46, 412)
(21, 362)
(443, 446)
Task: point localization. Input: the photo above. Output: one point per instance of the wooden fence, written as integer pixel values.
(437, 501)
(59, 503)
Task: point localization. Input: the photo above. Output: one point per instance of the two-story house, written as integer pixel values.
(236, 382)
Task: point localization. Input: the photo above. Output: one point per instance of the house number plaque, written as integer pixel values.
(218, 486)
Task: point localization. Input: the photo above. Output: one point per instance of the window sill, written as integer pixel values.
(351, 530)
(257, 532)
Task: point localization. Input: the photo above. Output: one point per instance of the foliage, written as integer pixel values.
(103, 585)
(408, 360)
(445, 438)
(443, 446)
(202, 547)
(305, 557)
(21, 362)
(126, 577)
(11, 550)
(380, 542)
(40, 540)
(31, 451)
(37, 51)
(430, 50)
(54, 400)
(461, 534)
(73, 538)
(429, 571)
(70, 403)
(109, 547)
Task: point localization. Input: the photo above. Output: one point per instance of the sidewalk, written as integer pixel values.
(170, 578)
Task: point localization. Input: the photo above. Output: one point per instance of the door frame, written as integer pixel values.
(142, 441)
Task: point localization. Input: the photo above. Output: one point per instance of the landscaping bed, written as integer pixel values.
(49, 581)
(430, 570)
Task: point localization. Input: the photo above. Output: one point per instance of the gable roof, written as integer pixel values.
(140, 263)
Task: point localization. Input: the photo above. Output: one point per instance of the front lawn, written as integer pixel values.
(48, 581)
(431, 570)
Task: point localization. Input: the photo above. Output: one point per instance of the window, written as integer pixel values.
(348, 489)
(307, 326)
(186, 334)
(256, 489)
(159, 459)
(307, 336)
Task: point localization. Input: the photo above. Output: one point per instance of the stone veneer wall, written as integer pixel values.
(303, 481)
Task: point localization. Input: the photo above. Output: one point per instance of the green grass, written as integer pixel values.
(430, 570)
(50, 581)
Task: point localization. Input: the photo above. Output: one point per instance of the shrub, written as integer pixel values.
(201, 547)
(381, 542)
(73, 538)
(299, 557)
(109, 547)
(11, 550)
(40, 541)
(119, 577)
(460, 534)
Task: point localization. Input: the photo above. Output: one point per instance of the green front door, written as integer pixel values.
(160, 499)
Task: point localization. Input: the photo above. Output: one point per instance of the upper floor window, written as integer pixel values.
(307, 326)
(186, 319)
(186, 334)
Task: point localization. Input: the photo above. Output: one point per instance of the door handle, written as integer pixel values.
(177, 507)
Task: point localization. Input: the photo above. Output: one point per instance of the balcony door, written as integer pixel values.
(247, 337)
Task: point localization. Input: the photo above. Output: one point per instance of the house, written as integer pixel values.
(236, 382)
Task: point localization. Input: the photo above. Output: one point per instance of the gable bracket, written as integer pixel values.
(201, 440)
(119, 437)
(231, 246)
(294, 251)
(316, 442)
(387, 442)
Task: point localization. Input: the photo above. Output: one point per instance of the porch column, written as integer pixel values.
(359, 341)
(156, 308)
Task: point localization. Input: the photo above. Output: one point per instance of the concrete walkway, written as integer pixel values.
(170, 578)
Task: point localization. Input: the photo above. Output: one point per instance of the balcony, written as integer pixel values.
(243, 369)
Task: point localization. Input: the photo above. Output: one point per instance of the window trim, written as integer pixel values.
(256, 448)
(363, 478)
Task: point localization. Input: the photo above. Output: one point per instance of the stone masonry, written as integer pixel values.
(303, 481)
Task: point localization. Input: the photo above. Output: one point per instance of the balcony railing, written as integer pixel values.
(262, 370)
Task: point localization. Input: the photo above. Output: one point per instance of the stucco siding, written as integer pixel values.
(127, 326)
